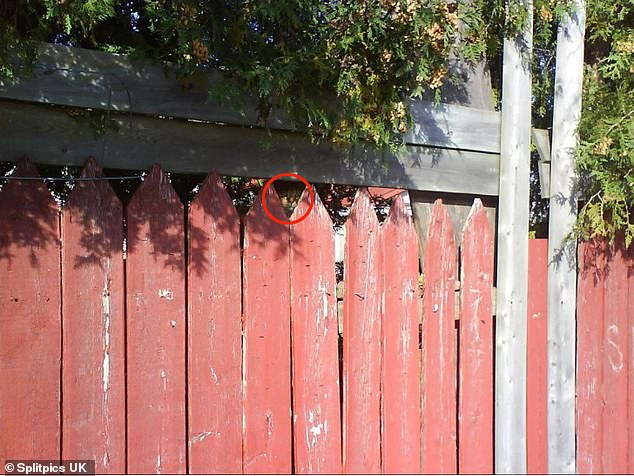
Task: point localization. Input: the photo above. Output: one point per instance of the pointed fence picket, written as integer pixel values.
(401, 359)
(439, 347)
(361, 340)
(93, 374)
(316, 392)
(214, 370)
(155, 306)
(268, 437)
(245, 339)
(30, 321)
(475, 405)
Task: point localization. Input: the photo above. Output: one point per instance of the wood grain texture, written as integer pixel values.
(362, 340)
(537, 359)
(439, 408)
(268, 436)
(214, 332)
(454, 127)
(93, 374)
(84, 78)
(401, 420)
(512, 251)
(630, 312)
(615, 357)
(475, 405)
(137, 142)
(30, 322)
(604, 351)
(541, 139)
(155, 294)
(315, 344)
(562, 269)
(590, 316)
(473, 87)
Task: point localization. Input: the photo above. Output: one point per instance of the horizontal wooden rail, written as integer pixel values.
(93, 79)
(54, 135)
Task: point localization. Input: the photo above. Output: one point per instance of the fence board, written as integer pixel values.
(590, 308)
(315, 344)
(630, 402)
(93, 374)
(562, 269)
(475, 406)
(30, 322)
(268, 436)
(214, 332)
(537, 359)
(615, 357)
(377, 379)
(439, 347)
(401, 361)
(512, 250)
(155, 294)
(138, 141)
(361, 340)
(78, 77)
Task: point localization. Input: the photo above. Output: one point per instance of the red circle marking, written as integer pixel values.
(310, 191)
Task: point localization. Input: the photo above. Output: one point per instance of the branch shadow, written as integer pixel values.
(116, 85)
(154, 220)
(598, 255)
(94, 212)
(28, 216)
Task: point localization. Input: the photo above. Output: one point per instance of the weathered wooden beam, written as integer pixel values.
(541, 139)
(512, 278)
(562, 267)
(50, 135)
(85, 78)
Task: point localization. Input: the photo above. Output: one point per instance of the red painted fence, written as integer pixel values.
(605, 360)
(605, 366)
(536, 364)
(192, 349)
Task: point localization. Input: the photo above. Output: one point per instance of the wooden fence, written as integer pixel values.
(210, 343)
(605, 358)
